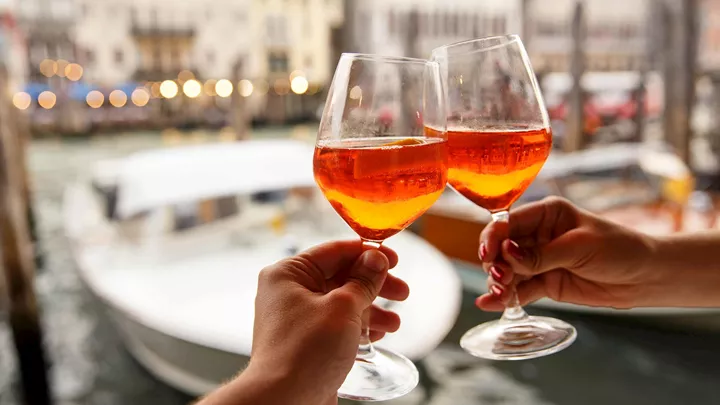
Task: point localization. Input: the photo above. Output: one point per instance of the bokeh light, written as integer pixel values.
(192, 88)
(48, 68)
(296, 73)
(281, 87)
(168, 89)
(73, 72)
(118, 98)
(47, 100)
(185, 75)
(224, 88)
(61, 65)
(245, 87)
(95, 99)
(261, 87)
(22, 100)
(140, 97)
(356, 93)
(209, 87)
(299, 85)
(155, 90)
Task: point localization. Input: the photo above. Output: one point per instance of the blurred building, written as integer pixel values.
(616, 34)
(12, 48)
(46, 29)
(415, 27)
(263, 41)
(709, 41)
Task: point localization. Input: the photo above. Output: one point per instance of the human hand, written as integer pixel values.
(308, 316)
(554, 249)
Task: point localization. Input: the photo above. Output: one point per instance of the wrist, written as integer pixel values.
(683, 270)
(256, 386)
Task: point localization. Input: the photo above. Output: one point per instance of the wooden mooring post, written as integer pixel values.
(17, 262)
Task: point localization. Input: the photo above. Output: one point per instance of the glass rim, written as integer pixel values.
(506, 40)
(385, 58)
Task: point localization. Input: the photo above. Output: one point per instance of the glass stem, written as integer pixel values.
(513, 311)
(365, 349)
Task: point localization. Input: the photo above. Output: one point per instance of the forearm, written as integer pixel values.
(685, 270)
(253, 387)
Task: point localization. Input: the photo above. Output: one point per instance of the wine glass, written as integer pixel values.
(381, 161)
(498, 140)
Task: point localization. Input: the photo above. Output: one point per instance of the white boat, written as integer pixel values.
(171, 241)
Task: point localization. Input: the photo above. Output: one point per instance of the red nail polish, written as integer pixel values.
(515, 250)
(483, 251)
(497, 291)
(497, 273)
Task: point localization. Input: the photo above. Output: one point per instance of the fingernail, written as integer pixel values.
(515, 250)
(497, 291)
(374, 260)
(497, 273)
(483, 251)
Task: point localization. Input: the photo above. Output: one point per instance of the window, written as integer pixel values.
(277, 62)
(89, 56)
(210, 56)
(308, 62)
(392, 22)
(119, 56)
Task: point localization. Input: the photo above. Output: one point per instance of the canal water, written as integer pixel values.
(612, 362)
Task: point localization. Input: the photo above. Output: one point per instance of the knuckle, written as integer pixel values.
(557, 202)
(266, 275)
(344, 300)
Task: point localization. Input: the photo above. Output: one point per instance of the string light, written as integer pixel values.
(22, 100)
(155, 90)
(245, 87)
(73, 72)
(95, 99)
(210, 87)
(48, 68)
(47, 100)
(192, 88)
(224, 88)
(281, 86)
(61, 65)
(118, 98)
(140, 97)
(299, 85)
(168, 89)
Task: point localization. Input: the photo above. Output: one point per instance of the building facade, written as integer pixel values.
(415, 27)
(616, 34)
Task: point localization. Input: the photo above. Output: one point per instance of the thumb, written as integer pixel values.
(366, 278)
(559, 253)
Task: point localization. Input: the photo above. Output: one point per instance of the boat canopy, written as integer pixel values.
(152, 179)
(655, 160)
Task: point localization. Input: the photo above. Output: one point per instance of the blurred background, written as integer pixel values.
(631, 87)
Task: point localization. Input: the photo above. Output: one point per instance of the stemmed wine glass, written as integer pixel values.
(381, 161)
(498, 140)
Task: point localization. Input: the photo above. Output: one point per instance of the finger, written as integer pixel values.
(502, 292)
(365, 279)
(527, 219)
(501, 273)
(394, 289)
(531, 290)
(383, 320)
(490, 239)
(376, 335)
(490, 303)
(332, 257)
(567, 251)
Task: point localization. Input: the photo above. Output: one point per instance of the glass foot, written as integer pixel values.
(383, 376)
(528, 338)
